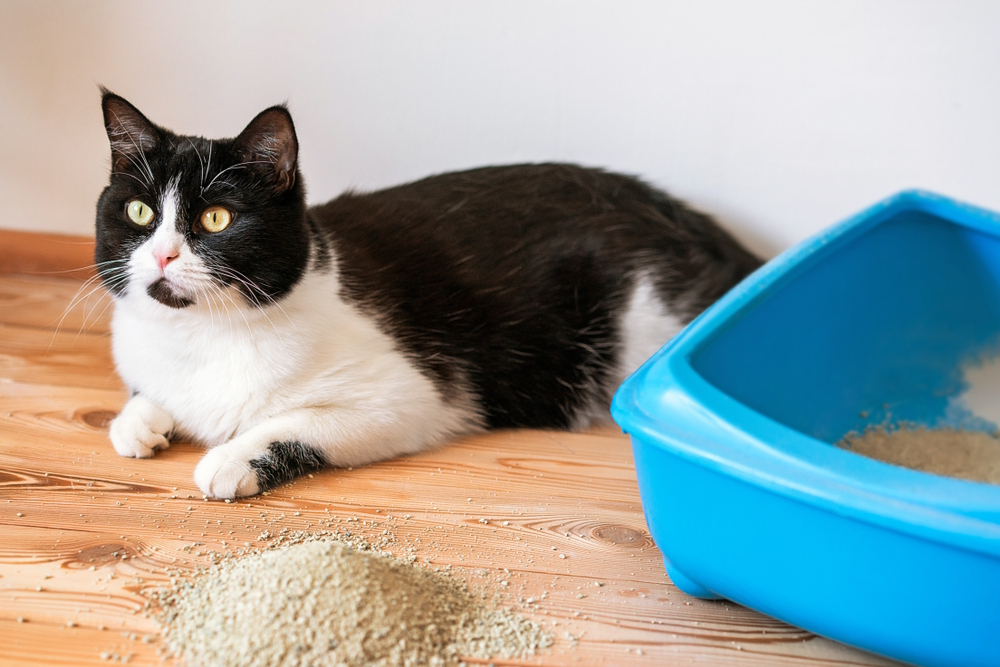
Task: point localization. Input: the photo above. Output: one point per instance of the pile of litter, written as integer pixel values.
(971, 455)
(325, 603)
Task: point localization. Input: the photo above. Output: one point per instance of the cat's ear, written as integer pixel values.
(130, 133)
(269, 142)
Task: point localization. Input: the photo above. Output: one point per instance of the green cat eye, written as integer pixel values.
(139, 213)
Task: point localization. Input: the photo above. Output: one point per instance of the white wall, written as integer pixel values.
(779, 117)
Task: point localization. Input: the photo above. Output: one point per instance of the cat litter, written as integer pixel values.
(971, 455)
(324, 603)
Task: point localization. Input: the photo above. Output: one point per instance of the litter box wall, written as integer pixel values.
(875, 331)
(817, 570)
(887, 309)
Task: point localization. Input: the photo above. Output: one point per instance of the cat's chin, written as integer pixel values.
(162, 291)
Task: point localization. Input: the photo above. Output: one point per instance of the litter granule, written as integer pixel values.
(971, 455)
(326, 603)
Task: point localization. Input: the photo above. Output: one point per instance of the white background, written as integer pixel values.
(778, 117)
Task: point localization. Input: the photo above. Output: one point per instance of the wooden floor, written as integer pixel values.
(557, 515)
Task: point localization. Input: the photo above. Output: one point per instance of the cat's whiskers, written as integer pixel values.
(142, 154)
(84, 299)
(136, 178)
(87, 267)
(251, 294)
(201, 164)
(222, 304)
(239, 310)
(208, 167)
(214, 294)
(220, 267)
(209, 291)
(138, 167)
(259, 306)
(107, 305)
(241, 165)
(191, 280)
(115, 264)
(211, 297)
(252, 287)
(72, 304)
(89, 309)
(203, 298)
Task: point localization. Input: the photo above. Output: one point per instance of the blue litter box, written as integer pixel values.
(733, 426)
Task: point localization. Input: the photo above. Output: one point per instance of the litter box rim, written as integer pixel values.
(669, 405)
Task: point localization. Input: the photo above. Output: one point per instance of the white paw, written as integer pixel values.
(225, 472)
(140, 429)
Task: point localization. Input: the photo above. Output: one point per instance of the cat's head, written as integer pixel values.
(186, 219)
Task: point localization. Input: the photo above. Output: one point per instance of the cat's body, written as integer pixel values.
(379, 324)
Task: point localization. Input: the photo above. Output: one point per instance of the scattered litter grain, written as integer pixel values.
(326, 603)
(971, 455)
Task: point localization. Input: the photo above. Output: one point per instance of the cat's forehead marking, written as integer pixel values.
(170, 204)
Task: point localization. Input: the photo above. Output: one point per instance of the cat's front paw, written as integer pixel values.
(140, 429)
(225, 472)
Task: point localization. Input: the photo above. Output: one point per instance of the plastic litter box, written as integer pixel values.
(733, 425)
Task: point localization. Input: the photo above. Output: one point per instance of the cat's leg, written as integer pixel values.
(291, 444)
(141, 428)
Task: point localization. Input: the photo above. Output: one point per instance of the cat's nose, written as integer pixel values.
(165, 256)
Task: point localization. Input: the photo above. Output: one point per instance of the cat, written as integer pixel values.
(287, 338)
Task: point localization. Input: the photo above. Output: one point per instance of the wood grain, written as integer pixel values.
(551, 513)
(36, 253)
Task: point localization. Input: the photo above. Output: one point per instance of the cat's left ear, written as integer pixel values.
(269, 142)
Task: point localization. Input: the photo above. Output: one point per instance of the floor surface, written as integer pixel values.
(554, 515)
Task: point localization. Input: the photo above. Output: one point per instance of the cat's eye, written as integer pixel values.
(215, 219)
(139, 212)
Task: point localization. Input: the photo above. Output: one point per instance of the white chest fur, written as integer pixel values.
(220, 370)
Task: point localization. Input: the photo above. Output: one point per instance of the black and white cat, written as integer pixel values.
(286, 338)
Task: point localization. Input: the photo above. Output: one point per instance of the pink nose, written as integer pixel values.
(164, 257)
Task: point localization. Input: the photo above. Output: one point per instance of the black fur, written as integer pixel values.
(161, 291)
(515, 276)
(508, 281)
(284, 462)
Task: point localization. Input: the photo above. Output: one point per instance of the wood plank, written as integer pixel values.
(550, 513)
(37, 253)
(54, 304)
(60, 358)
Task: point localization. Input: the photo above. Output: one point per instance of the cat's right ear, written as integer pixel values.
(130, 133)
